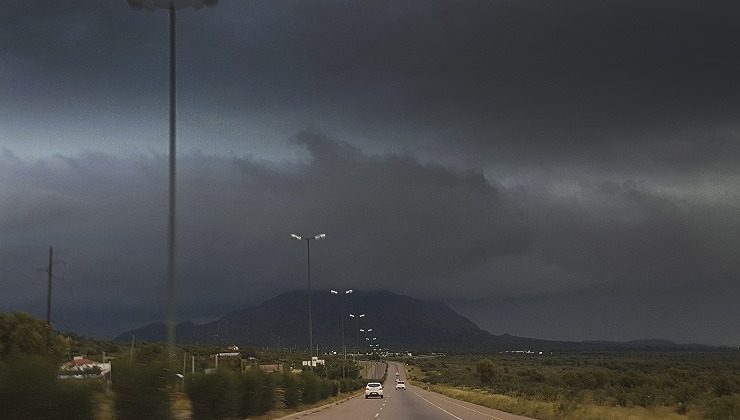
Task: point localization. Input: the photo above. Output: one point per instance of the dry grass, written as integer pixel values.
(555, 411)
(620, 413)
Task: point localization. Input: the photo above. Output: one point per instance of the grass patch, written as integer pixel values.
(553, 411)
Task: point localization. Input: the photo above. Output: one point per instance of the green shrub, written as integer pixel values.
(142, 391)
(257, 390)
(324, 389)
(291, 396)
(310, 385)
(29, 389)
(74, 401)
(723, 408)
(486, 371)
(213, 396)
(268, 400)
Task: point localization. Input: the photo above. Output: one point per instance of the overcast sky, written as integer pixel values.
(564, 170)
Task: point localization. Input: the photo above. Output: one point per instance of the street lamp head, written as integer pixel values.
(294, 236)
(348, 291)
(167, 4)
(320, 236)
(351, 315)
(334, 292)
(362, 315)
(369, 330)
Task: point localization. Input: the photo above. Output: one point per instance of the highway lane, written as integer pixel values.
(373, 369)
(412, 404)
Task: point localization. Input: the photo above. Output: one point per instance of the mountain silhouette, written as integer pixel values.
(398, 322)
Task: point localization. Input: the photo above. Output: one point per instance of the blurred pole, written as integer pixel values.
(171, 6)
(171, 222)
(48, 301)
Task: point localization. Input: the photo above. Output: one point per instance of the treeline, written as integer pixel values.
(144, 383)
(226, 394)
(141, 390)
(30, 357)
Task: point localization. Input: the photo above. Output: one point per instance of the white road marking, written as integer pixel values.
(468, 408)
(376, 415)
(458, 418)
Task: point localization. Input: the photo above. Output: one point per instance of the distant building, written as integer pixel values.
(227, 356)
(315, 361)
(80, 367)
(278, 367)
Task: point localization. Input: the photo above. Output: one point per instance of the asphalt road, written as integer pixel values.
(412, 404)
(374, 370)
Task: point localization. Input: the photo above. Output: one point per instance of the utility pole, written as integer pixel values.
(48, 296)
(133, 339)
(218, 335)
(49, 271)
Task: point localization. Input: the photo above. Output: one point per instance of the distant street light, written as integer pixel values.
(171, 5)
(344, 348)
(308, 240)
(357, 331)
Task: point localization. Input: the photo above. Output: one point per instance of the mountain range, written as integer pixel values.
(398, 322)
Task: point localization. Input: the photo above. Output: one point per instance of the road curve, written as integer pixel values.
(414, 403)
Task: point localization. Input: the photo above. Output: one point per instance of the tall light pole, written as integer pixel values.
(357, 331)
(344, 348)
(171, 5)
(308, 240)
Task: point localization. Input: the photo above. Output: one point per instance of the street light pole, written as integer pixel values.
(344, 348)
(171, 6)
(308, 240)
(357, 332)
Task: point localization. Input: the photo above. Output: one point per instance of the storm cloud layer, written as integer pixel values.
(392, 222)
(560, 170)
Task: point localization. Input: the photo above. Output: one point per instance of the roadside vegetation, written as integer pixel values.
(145, 383)
(647, 385)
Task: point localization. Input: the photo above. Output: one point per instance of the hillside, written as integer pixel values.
(398, 322)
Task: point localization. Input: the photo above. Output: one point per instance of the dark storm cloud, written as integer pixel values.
(389, 220)
(622, 84)
(392, 222)
(605, 133)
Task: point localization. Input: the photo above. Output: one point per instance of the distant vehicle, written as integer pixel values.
(400, 385)
(374, 389)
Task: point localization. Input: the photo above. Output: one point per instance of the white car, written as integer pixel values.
(374, 389)
(400, 385)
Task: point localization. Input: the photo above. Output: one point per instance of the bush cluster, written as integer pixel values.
(29, 389)
(226, 394)
(702, 382)
(142, 390)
